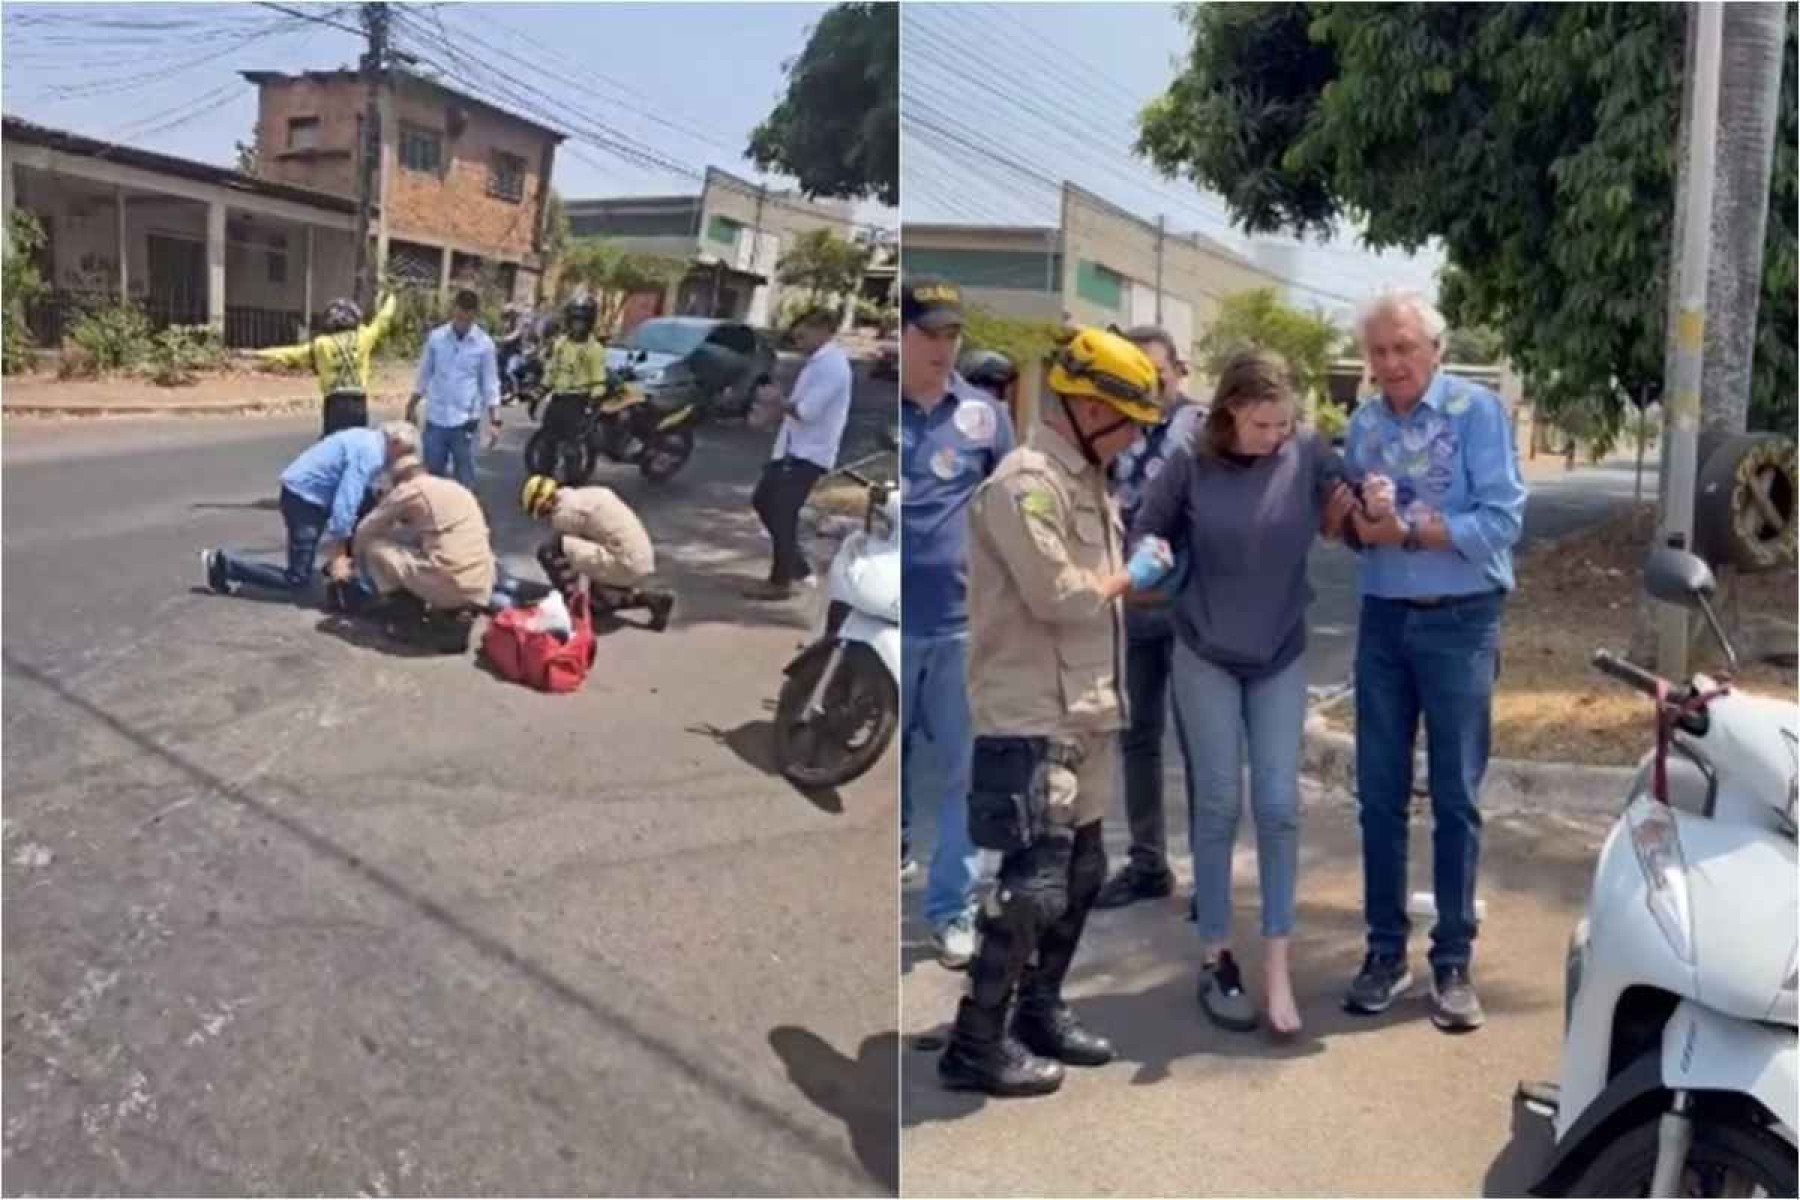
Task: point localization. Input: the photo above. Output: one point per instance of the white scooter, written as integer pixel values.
(1679, 1070)
(841, 703)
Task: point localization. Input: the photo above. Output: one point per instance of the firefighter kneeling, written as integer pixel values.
(1045, 579)
(600, 538)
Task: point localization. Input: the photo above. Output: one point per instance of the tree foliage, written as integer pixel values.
(1260, 319)
(823, 263)
(837, 130)
(1020, 340)
(23, 284)
(611, 274)
(1535, 142)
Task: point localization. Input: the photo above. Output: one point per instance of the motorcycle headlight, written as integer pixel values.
(1656, 838)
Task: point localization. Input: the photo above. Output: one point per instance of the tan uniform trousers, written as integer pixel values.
(1082, 796)
(396, 567)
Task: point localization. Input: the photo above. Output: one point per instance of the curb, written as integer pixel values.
(1511, 783)
(247, 408)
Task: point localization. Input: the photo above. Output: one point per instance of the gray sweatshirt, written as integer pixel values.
(1247, 524)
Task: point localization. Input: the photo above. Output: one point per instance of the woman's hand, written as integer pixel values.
(1338, 507)
(1387, 531)
(1378, 496)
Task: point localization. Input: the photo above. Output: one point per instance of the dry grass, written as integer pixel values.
(1579, 594)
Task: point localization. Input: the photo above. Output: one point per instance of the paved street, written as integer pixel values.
(290, 913)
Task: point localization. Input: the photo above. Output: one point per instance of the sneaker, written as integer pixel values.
(1222, 995)
(1455, 1008)
(955, 942)
(1383, 979)
(909, 870)
(1132, 883)
(213, 563)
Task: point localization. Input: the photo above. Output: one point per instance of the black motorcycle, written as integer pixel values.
(625, 425)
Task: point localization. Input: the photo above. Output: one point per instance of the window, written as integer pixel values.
(1097, 285)
(1012, 270)
(506, 177)
(277, 258)
(303, 133)
(421, 149)
(724, 231)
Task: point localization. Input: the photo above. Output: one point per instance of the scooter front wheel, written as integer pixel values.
(851, 726)
(1727, 1159)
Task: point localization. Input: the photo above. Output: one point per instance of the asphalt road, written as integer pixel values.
(288, 912)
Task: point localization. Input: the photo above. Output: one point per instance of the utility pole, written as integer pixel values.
(375, 24)
(1683, 429)
(1162, 232)
(762, 195)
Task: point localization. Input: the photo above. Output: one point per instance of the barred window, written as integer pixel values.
(506, 177)
(421, 149)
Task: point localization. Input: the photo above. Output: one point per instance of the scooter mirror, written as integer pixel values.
(1677, 577)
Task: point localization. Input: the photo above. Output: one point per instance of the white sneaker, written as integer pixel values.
(955, 942)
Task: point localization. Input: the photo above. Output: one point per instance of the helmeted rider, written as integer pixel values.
(515, 327)
(576, 374)
(1046, 574)
(988, 370)
(340, 359)
(599, 538)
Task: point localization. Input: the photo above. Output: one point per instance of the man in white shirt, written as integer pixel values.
(459, 380)
(806, 449)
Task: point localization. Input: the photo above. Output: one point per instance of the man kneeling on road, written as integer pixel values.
(322, 493)
(600, 538)
(425, 551)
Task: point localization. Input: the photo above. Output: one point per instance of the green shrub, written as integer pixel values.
(22, 285)
(180, 351)
(1326, 418)
(114, 336)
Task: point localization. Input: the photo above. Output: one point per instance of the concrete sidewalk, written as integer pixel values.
(239, 391)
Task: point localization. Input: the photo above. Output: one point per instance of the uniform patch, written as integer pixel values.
(975, 420)
(1038, 505)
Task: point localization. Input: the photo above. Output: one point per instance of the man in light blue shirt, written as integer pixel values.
(459, 380)
(1442, 506)
(322, 494)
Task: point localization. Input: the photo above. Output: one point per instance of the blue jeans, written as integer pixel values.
(444, 444)
(305, 523)
(1437, 663)
(937, 739)
(1220, 713)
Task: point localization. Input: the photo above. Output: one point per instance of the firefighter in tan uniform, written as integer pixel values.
(600, 538)
(1046, 658)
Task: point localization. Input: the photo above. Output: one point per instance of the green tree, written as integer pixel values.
(1260, 319)
(22, 285)
(556, 239)
(611, 274)
(1535, 142)
(1020, 340)
(837, 130)
(823, 263)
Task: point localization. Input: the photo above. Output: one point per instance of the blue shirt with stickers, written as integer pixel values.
(1453, 454)
(945, 454)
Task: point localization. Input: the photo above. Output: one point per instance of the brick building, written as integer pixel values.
(463, 185)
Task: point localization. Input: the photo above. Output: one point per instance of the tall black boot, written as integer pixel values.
(1043, 1022)
(982, 1056)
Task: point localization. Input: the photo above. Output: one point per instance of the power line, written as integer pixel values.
(306, 16)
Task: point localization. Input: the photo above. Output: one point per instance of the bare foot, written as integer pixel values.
(1283, 1015)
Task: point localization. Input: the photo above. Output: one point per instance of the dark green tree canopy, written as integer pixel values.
(1535, 142)
(838, 128)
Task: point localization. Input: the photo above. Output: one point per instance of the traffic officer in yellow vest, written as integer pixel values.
(600, 538)
(576, 373)
(340, 357)
(1046, 657)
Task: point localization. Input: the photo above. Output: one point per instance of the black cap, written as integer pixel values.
(931, 303)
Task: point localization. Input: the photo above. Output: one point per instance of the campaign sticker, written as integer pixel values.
(1438, 480)
(1443, 448)
(975, 421)
(946, 464)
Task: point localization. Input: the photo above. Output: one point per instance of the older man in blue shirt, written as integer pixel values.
(1443, 505)
(459, 380)
(952, 436)
(322, 494)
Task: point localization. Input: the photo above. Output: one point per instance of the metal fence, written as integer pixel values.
(52, 315)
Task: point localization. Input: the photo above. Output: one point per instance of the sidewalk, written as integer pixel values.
(230, 393)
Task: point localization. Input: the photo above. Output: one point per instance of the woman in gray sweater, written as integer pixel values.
(1247, 499)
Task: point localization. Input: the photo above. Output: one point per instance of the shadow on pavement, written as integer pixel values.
(365, 635)
(701, 1071)
(753, 742)
(860, 1092)
(264, 505)
(1522, 1160)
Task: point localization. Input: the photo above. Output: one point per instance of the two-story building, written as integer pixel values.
(731, 236)
(463, 186)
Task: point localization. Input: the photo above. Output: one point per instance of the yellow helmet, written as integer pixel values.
(1101, 365)
(539, 495)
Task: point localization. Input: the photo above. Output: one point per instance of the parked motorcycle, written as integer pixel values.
(840, 704)
(1680, 1072)
(625, 425)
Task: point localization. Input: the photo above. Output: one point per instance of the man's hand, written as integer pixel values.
(1150, 563)
(1429, 528)
(492, 437)
(1377, 496)
(1388, 531)
(1338, 507)
(340, 569)
(412, 409)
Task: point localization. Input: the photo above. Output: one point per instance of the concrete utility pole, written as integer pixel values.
(762, 195)
(1683, 390)
(1162, 232)
(375, 24)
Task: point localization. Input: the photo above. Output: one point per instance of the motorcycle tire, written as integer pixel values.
(860, 712)
(666, 454)
(569, 463)
(1748, 1155)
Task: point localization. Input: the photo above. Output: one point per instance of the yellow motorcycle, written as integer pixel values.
(625, 425)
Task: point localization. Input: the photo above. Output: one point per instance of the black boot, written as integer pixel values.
(1049, 1027)
(1043, 1022)
(982, 1058)
(661, 605)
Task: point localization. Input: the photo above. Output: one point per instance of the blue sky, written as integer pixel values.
(688, 81)
(1055, 88)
